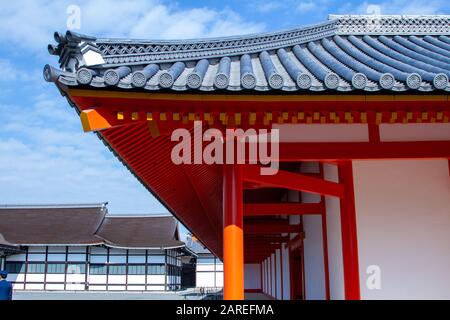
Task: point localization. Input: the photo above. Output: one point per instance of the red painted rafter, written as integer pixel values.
(293, 181)
(329, 151)
(270, 209)
(275, 238)
(296, 242)
(265, 227)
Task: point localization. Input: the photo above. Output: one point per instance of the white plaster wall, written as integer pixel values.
(37, 277)
(116, 288)
(54, 286)
(286, 274)
(415, 132)
(264, 276)
(76, 278)
(34, 286)
(117, 279)
(267, 276)
(136, 279)
(219, 279)
(263, 266)
(74, 286)
(55, 277)
(334, 237)
(136, 288)
(95, 279)
(205, 267)
(155, 279)
(97, 288)
(205, 279)
(252, 276)
(272, 272)
(313, 252)
(277, 261)
(322, 132)
(403, 221)
(18, 286)
(155, 288)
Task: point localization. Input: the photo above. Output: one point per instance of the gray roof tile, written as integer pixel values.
(346, 53)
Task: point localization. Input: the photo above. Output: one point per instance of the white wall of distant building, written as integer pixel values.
(94, 268)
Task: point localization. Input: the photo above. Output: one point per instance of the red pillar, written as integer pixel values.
(349, 234)
(233, 233)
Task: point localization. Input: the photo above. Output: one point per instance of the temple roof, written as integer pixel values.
(51, 225)
(346, 53)
(85, 225)
(140, 232)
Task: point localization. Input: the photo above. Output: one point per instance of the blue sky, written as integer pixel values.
(44, 155)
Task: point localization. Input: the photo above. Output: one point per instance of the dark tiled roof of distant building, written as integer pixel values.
(52, 225)
(140, 232)
(346, 53)
(85, 225)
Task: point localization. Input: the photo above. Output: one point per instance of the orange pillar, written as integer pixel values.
(233, 233)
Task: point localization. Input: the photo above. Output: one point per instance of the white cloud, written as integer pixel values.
(307, 6)
(267, 6)
(9, 72)
(32, 23)
(46, 158)
(411, 7)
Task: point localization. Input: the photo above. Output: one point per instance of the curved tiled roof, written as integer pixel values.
(346, 53)
(86, 224)
(51, 225)
(140, 232)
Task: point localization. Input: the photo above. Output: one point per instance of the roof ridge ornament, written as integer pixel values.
(391, 24)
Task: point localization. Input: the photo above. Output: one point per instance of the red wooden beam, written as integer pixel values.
(262, 246)
(332, 151)
(270, 228)
(296, 242)
(349, 234)
(273, 238)
(374, 132)
(260, 252)
(269, 209)
(251, 243)
(258, 255)
(293, 181)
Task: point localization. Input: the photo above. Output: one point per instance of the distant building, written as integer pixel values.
(209, 268)
(81, 247)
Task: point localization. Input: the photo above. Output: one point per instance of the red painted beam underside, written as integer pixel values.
(293, 181)
(270, 209)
